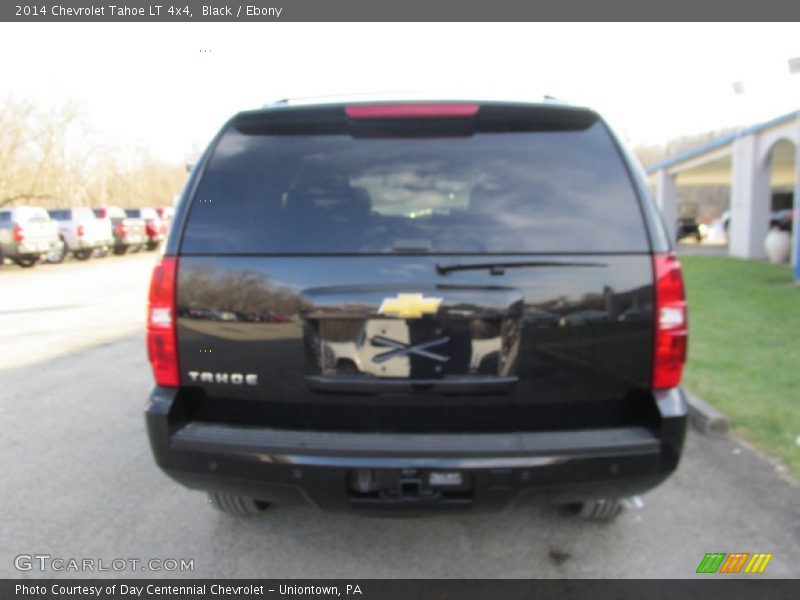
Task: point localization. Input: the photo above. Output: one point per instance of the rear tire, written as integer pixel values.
(602, 511)
(238, 506)
(83, 254)
(120, 250)
(26, 261)
(59, 254)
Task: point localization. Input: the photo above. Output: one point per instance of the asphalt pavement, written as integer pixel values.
(78, 480)
(53, 310)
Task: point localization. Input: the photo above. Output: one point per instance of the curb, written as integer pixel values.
(704, 417)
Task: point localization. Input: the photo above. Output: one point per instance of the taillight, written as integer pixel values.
(162, 348)
(410, 111)
(18, 234)
(121, 229)
(671, 322)
(80, 230)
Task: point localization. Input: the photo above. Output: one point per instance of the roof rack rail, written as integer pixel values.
(405, 97)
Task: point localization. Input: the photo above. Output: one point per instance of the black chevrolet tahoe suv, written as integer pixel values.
(413, 305)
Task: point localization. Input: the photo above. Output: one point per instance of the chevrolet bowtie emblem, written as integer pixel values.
(409, 306)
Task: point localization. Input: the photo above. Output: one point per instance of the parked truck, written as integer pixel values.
(27, 234)
(128, 232)
(82, 234)
(155, 226)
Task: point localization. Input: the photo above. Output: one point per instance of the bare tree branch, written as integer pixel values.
(50, 157)
(11, 199)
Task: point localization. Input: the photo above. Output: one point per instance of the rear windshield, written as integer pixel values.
(553, 191)
(61, 215)
(83, 213)
(111, 213)
(141, 213)
(31, 213)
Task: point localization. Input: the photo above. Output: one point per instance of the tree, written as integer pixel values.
(39, 160)
(50, 158)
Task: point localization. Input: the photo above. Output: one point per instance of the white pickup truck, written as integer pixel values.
(82, 233)
(26, 235)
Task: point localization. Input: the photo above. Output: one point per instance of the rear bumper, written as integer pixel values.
(130, 240)
(334, 470)
(28, 248)
(87, 244)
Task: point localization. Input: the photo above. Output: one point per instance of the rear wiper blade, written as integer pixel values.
(498, 268)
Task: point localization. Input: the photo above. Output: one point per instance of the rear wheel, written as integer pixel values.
(58, 253)
(599, 510)
(26, 261)
(83, 254)
(151, 246)
(238, 506)
(120, 249)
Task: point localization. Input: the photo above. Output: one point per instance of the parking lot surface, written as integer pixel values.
(79, 481)
(52, 310)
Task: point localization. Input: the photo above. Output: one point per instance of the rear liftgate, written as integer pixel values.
(432, 339)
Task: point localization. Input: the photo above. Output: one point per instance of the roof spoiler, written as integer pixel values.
(415, 119)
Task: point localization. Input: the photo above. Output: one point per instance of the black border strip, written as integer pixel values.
(405, 11)
(708, 587)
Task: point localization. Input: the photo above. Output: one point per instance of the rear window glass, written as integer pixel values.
(115, 213)
(83, 213)
(31, 213)
(558, 191)
(61, 215)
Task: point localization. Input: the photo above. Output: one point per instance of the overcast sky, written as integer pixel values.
(150, 84)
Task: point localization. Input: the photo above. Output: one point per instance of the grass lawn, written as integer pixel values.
(744, 348)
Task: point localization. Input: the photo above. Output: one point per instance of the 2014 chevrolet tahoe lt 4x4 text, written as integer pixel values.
(417, 305)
